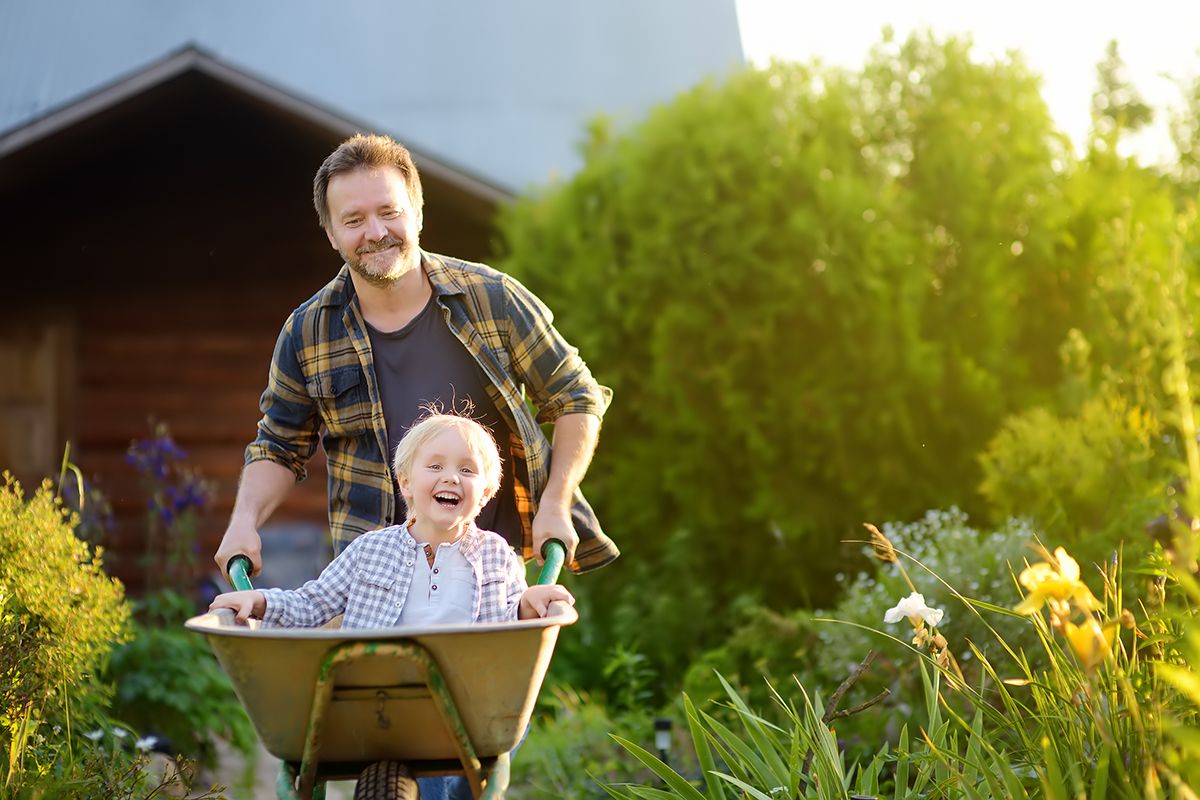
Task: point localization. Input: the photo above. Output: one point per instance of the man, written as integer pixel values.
(400, 330)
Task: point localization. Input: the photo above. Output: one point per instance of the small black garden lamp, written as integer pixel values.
(662, 738)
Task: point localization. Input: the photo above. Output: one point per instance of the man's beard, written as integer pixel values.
(388, 276)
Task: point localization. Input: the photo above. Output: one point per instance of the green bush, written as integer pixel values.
(784, 320)
(60, 618)
(169, 683)
(568, 753)
(112, 763)
(818, 294)
(822, 648)
(60, 615)
(1086, 690)
(1090, 467)
(167, 680)
(1091, 480)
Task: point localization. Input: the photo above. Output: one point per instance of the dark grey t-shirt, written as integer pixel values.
(424, 363)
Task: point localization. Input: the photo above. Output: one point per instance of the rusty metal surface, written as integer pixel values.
(380, 707)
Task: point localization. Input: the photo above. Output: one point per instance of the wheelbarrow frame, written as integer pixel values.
(487, 776)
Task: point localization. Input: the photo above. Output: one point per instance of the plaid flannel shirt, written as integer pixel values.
(369, 582)
(322, 375)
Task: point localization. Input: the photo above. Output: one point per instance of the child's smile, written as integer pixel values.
(447, 500)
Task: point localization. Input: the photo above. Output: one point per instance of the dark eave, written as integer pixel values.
(115, 99)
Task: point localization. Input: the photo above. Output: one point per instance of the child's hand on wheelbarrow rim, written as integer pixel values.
(536, 600)
(244, 604)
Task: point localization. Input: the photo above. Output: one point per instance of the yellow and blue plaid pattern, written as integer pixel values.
(322, 375)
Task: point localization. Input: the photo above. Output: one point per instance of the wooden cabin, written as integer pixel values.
(160, 230)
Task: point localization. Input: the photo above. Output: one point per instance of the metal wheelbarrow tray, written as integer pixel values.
(447, 699)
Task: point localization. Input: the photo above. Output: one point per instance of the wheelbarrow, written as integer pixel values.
(406, 702)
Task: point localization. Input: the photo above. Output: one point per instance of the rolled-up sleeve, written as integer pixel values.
(288, 430)
(556, 378)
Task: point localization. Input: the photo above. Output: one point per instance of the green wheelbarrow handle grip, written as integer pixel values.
(239, 573)
(554, 553)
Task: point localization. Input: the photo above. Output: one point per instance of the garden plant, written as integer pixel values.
(911, 300)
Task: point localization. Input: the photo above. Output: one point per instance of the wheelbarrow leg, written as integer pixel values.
(285, 785)
(497, 784)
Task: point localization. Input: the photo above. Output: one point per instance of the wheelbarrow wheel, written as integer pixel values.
(386, 780)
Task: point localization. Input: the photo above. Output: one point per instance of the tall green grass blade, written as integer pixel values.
(714, 789)
(743, 753)
(650, 793)
(747, 788)
(756, 727)
(1052, 778)
(868, 778)
(670, 777)
(1100, 786)
(903, 754)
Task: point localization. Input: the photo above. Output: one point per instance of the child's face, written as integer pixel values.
(447, 487)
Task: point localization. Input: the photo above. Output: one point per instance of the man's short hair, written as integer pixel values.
(366, 152)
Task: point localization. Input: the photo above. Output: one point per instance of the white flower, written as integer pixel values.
(146, 742)
(120, 733)
(95, 735)
(913, 607)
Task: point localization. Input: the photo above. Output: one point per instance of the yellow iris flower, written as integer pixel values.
(1091, 641)
(1058, 582)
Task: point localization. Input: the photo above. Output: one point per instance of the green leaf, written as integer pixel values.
(745, 787)
(1100, 784)
(669, 776)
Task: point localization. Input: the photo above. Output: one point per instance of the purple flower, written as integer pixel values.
(173, 489)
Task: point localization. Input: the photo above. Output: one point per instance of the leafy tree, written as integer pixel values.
(1117, 105)
(819, 294)
(808, 289)
(1090, 466)
(1185, 133)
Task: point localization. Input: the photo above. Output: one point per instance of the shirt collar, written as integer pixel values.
(468, 545)
(440, 277)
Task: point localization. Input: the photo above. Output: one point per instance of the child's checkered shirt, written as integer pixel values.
(369, 582)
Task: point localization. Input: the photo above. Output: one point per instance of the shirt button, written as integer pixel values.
(435, 571)
(409, 563)
(434, 587)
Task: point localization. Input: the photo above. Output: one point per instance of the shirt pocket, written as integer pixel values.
(372, 603)
(486, 346)
(342, 399)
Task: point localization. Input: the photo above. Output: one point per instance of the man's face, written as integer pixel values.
(373, 225)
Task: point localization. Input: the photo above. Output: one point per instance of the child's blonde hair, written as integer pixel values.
(478, 438)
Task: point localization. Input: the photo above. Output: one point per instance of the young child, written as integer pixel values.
(437, 568)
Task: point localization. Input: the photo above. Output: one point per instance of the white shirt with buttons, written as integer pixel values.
(441, 593)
